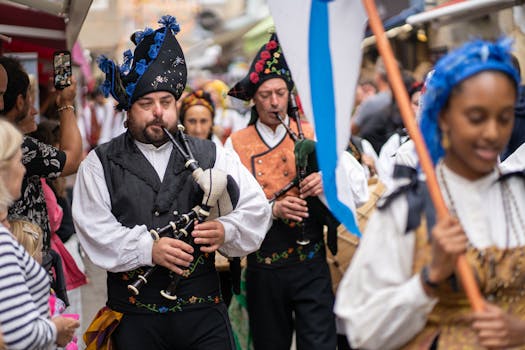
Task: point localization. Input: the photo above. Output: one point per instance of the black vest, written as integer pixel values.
(138, 197)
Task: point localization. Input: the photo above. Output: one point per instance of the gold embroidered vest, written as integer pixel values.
(501, 278)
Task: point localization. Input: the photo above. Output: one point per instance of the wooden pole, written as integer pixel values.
(394, 76)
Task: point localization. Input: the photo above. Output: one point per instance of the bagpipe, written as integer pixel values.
(216, 185)
(306, 164)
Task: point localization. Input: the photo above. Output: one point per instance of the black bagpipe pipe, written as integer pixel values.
(318, 209)
(175, 229)
(183, 226)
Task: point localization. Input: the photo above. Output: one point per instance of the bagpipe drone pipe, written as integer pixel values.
(306, 164)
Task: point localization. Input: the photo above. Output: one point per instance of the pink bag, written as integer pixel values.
(74, 277)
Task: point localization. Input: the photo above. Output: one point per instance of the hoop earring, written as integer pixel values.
(445, 141)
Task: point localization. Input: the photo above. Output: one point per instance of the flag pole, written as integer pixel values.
(394, 76)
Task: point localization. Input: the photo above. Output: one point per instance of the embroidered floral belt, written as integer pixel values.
(298, 253)
(179, 304)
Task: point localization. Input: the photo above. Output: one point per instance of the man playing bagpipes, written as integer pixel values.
(163, 290)
(287, 282)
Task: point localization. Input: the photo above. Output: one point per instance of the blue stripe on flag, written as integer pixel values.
(323, 105)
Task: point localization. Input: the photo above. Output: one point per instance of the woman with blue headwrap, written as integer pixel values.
(400, 290)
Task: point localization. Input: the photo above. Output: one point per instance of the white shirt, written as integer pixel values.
(368, 150)
(381, 302)
(117, 248)
(387, 159)
(516, 161)
(216, 141)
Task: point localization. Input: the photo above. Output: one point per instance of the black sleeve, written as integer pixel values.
(66, 229)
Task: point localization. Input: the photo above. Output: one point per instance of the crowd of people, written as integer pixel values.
(173, 185)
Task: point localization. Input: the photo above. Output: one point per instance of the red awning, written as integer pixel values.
(41, 26)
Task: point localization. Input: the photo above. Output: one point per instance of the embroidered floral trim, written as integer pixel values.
(301, 252)
(268, 63)
(199, 261)
(292, 223)
(180, 303)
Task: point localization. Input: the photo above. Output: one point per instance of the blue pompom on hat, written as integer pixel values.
(470, 59)
(157, 64)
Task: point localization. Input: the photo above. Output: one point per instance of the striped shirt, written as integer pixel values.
(24, 293)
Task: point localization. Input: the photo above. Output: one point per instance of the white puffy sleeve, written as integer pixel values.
(381, 304)
(246, 226)
(108, 243)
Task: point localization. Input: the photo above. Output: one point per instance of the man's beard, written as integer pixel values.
(147, 135)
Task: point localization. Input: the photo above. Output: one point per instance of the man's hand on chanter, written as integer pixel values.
(209, 234)
(311, 186)
(290, 207)
(172, 254)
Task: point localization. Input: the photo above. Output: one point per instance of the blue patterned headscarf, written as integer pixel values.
(468, 60)
(157, 64)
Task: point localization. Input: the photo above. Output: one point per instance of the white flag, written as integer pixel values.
(321, 41)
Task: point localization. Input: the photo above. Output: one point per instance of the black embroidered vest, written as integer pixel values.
(138, 197)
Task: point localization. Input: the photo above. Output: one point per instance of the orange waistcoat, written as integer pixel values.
(273, 168)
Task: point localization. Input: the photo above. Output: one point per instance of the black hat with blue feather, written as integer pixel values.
(157, 64)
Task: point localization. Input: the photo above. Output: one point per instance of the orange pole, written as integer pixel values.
(394, 76)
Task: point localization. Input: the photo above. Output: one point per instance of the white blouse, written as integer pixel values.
(382, 304)
(516, 160)
(117, 248)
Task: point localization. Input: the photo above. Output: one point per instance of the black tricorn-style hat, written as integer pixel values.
(157, 64)
(269, 63)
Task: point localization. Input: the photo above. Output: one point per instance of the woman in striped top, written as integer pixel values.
(24, 286)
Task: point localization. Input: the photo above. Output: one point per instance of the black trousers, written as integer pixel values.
(205, 328)
(296, 297)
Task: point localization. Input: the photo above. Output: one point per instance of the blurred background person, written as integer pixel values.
(387, 156)
(223, 120)
(40, 159)
(373, 120)
(197, 113)
(227, 118)
(22, 280)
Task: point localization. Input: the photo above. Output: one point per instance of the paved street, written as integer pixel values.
(94, 296)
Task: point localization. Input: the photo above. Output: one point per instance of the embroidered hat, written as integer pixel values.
(197, 98)
(269, 63)
(156, 65)
(468, 60)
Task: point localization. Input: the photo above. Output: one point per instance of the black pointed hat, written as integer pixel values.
(268, 63)
(157, 64)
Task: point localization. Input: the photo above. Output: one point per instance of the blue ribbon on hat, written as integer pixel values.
(468, 60)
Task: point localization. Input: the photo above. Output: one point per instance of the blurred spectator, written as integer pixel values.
(61, 223)
(364, 153)
(41, 160)
(197, 114)
(364, 90)
(28, 325)
(387, 156)
(373, 120)
(99, 120)
(227, 119)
